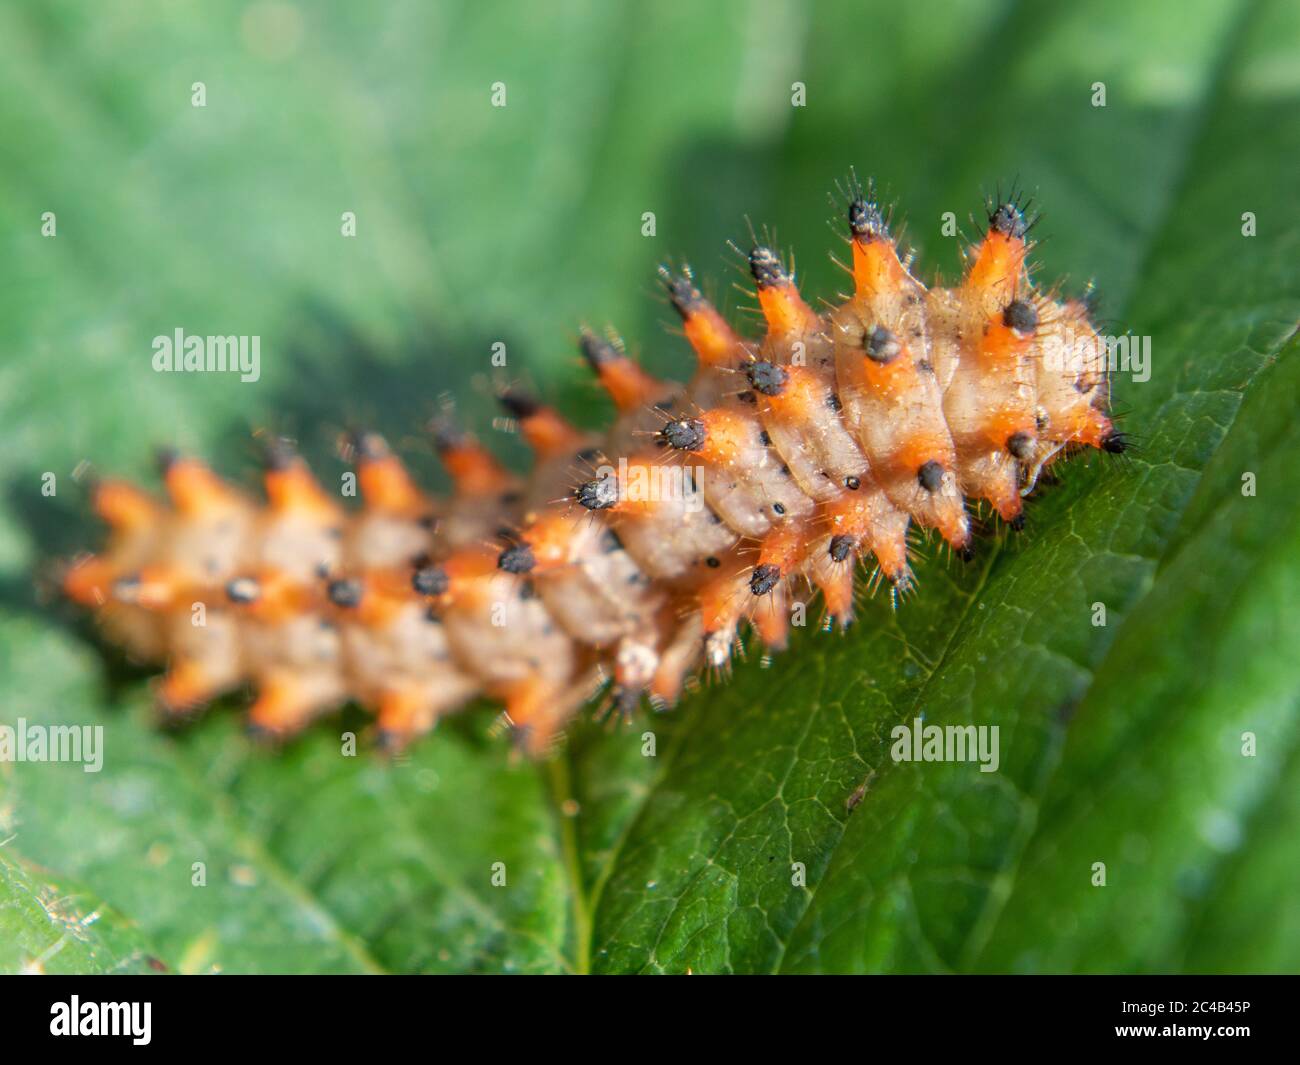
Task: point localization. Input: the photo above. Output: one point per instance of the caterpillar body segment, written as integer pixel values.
(627, 560)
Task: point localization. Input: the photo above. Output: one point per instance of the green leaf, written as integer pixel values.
(771, 830)
(47, 926)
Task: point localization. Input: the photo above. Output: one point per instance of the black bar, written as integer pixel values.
(339, 1015)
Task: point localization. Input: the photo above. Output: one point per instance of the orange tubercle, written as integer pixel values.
(771, 620)
(475, 470)
(124, 506)
(802, 395)
(727, 435)
(714, 341)
(628, 385)
(195, 490)
(785, 310)
(185, 685)
(88, 581)
(998, 264)
(386, 486)
(548, 434)
(877, 268)
(551, 538)
(293, 488)
(283, 706)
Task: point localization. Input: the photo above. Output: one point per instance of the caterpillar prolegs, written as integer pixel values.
(627, 561)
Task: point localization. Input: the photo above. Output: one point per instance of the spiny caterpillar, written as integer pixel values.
(816, 446)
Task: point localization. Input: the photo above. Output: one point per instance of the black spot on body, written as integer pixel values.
(126, 588)
(767, 377)
(1021, 445)
(345, 593)
(930, 476)
(712, 562)
(1020, 316)
(764, 578)
(243, 590)
(430, 580)
(881, 345)
(518, 558)
(600, 494)
(1116, 443)
(684, 434)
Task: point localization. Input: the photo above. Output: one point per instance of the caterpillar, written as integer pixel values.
(630, 561)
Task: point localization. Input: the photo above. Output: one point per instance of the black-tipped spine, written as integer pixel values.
(765, 266)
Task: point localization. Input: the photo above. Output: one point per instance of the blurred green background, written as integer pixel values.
(478, 224)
